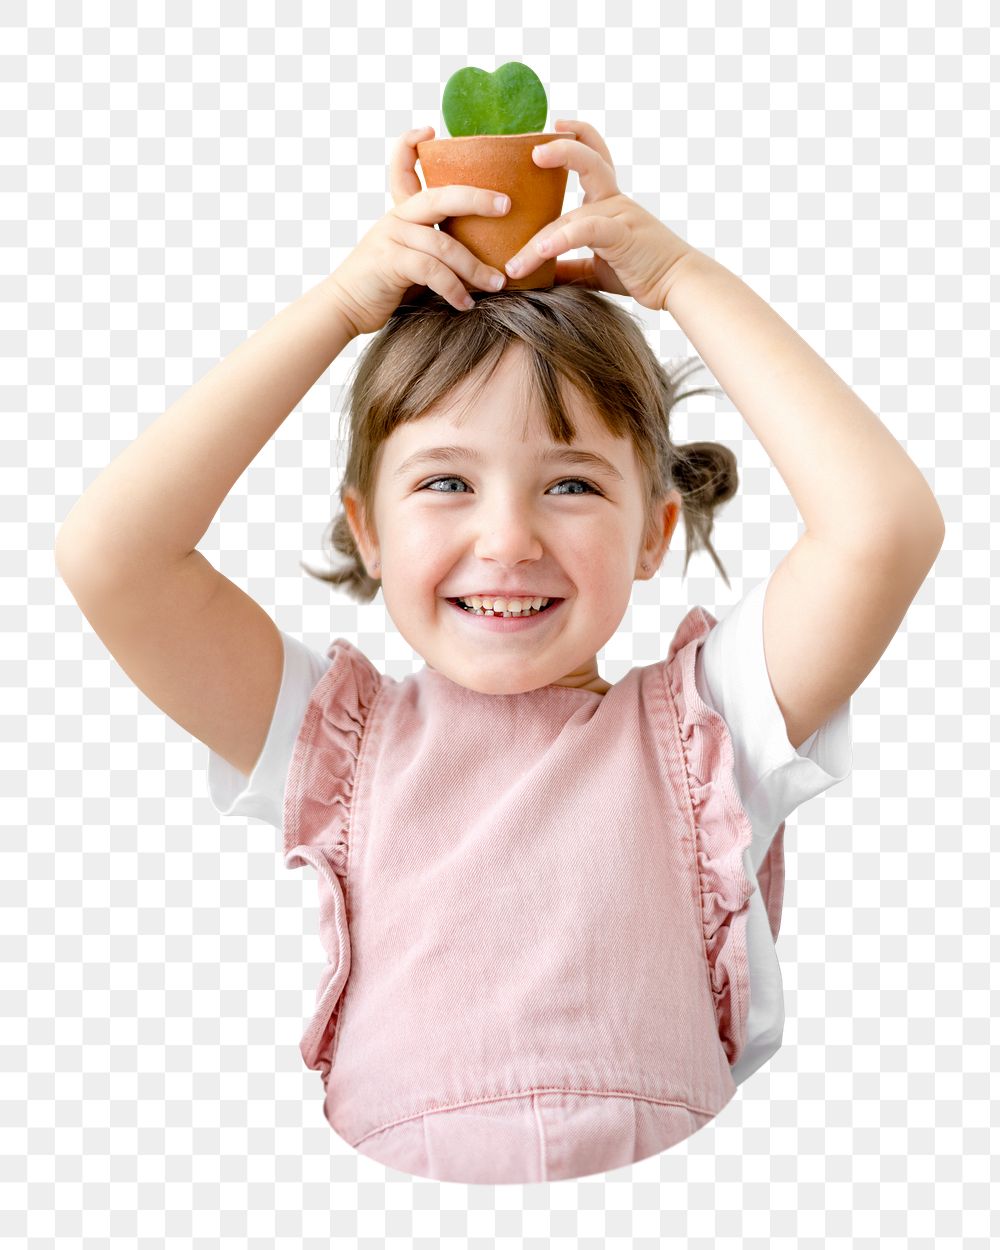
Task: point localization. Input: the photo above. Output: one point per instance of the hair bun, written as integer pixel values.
(706, 472)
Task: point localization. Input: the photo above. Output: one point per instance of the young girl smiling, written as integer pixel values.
(548, 903)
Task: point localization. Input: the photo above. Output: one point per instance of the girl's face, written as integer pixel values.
(509, 514)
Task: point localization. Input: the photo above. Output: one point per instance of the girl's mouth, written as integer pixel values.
(507, 624)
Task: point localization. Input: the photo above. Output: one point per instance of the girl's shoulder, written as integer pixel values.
(314, 684)
(730, 676)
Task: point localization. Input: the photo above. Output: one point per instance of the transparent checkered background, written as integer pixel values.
(169, 187)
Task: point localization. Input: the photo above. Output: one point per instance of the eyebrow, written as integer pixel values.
(452, 454)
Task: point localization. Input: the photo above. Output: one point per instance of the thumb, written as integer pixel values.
(591, 272)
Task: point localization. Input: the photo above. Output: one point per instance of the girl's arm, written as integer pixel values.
(153, 504)
(850, 479)
(873, 528)
(189, 638)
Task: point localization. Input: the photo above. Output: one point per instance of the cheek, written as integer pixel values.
(420, 545)
(596, 551)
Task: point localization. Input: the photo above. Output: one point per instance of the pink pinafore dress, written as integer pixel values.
(533, 908)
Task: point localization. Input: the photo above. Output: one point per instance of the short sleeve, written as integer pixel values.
(774, 777)
(261, 795)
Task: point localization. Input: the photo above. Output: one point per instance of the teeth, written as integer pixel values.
(504, 607)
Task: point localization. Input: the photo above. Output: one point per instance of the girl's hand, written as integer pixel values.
(402, 253)
(634, 253)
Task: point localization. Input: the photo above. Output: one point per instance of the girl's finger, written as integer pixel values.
(428, 271)
(433, 205)
(578, 272)
(593, 230)
(436, 251)
(597, 177)
(403, 181)
(589, 271)
(588, 135)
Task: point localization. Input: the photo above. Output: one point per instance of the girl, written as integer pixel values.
(549, 904)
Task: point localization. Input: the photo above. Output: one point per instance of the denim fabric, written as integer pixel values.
(534, 911)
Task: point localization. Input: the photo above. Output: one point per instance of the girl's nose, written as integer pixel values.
(507, 537)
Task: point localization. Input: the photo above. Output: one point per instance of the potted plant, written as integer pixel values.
(495, 121)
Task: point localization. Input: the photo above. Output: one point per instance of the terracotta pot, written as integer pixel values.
(499, 163)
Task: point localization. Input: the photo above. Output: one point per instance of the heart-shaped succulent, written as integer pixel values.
(510, 101)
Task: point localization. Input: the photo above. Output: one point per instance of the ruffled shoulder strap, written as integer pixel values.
(316, 820)
(320, 782)
(723, 830)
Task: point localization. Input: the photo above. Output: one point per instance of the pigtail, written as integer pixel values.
(350, 576)
(706, 474)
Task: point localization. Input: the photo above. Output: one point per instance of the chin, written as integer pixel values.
(481, 682)
(500, 687)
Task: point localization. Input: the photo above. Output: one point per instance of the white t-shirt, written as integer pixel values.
(773, 777)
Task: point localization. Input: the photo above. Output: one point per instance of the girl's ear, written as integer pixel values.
(355, 513)
(671, 515)
(658, 540)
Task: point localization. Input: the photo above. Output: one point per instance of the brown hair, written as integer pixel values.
(572, 334)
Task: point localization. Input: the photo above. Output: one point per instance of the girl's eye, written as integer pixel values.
(426, 485)
(577, 480)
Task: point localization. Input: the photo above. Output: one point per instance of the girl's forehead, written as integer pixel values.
(508, 388)
(498, 418)
(502, 435)
(505, 419)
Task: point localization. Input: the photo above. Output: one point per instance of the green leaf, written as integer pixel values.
(510, 101)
